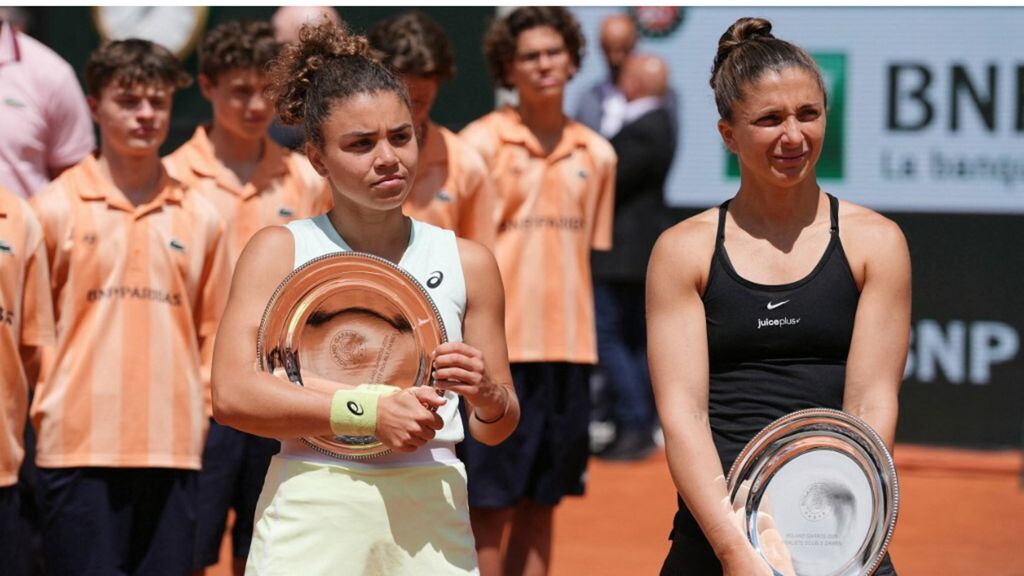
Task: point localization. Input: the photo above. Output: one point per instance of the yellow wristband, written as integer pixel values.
(354, 412)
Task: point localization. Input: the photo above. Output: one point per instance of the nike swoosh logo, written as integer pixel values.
(773, 306)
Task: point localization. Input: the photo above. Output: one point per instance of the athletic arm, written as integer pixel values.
(246, 398)
(678, 357)
(477, 368)
(881, 331)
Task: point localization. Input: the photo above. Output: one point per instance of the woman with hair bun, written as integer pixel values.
(404, 512)
(782, 298)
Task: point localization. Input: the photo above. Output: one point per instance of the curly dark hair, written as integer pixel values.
(236, 44)
(746, 51)
(413, 43)
(327, 64)
(500, 38)
(133, 61)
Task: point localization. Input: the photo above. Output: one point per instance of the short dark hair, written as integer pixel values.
(746, 51)
(413, 43)
(133, 61)
(503, 33)
(326, 65)
(236, 44)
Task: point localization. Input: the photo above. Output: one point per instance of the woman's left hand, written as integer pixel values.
(460, 368)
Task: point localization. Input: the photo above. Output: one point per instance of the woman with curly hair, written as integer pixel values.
(403, 512)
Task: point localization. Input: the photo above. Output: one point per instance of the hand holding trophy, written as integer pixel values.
(817, 494)
(356, 322)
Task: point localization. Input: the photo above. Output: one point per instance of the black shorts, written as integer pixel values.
(546, 457)
(100, 521)
(234, 467)
(13, 558)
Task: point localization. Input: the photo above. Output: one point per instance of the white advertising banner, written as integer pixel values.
(926, 104)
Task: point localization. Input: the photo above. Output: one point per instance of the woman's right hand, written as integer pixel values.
(408, 419)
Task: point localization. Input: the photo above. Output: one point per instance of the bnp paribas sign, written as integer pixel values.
(831, 164)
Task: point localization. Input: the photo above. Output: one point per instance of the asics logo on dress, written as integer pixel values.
(177, 245)
(774, 305)
(6, 248)
(435, 279)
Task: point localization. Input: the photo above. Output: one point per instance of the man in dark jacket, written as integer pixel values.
(646, 146)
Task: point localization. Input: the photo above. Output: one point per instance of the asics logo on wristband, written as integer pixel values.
(354, 407)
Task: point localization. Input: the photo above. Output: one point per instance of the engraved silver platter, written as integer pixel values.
(346, 319)
(818, 494)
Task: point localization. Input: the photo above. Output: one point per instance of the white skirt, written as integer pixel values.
(315, 519)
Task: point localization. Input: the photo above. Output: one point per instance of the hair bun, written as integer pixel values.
(296, 69)
(746, 29)
(741, 31)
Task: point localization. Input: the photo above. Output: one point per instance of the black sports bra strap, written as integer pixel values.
(833, 205)
(722, 210)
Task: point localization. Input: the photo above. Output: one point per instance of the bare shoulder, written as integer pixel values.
(865, 231)
(682, 255)
(692, 239)
(483, 278)
(476, 258)
(272, 247)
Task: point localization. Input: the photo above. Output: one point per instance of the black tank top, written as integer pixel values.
(773, 349)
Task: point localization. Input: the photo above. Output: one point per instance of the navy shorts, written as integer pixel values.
(12, 539)
(234, 467)
(102, 521)
(546, 457)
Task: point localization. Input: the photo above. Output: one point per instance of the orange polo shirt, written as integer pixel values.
(135, 289)
(284, 187)
(452, 189)
(26, 319)
(552, 210)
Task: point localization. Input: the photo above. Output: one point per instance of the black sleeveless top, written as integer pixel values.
(773, 349)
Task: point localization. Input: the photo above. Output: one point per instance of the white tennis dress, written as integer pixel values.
(395, 514)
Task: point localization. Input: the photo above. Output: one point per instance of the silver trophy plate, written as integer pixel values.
(818, 494)
(346, 319)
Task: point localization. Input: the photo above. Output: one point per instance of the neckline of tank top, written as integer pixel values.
(323, 222)
(834, 243)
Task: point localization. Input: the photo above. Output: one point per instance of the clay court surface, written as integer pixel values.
(962, 514)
